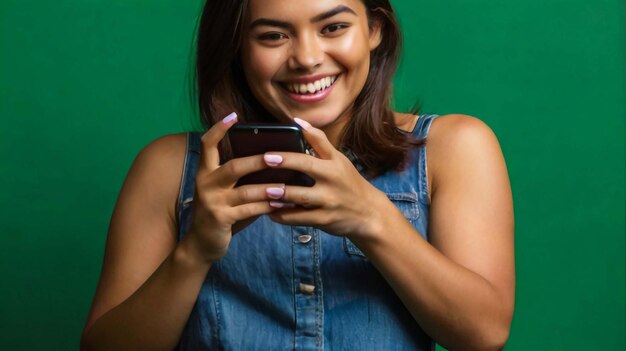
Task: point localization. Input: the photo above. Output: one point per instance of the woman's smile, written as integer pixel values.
(310, 85)
(310, 89)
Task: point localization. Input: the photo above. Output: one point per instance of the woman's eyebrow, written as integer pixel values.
(318, 18)
(330, 13)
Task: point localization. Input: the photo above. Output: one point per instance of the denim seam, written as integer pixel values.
(424, 183)
(216, 305)
(293, 283)
(319, 288)
(421, 172)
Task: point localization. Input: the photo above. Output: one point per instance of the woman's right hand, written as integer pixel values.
(217, 205)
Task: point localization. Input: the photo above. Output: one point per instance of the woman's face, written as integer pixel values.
(308, 58)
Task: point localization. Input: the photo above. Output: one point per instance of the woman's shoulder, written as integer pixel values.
(163, 153)
(157, 170)
(459, 126)
(166, 146)
(457, 143)
(450, 123)
(460, 135)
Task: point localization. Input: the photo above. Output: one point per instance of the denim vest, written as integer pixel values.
(298, 288)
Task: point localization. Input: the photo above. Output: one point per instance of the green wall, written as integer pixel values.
(85, 84)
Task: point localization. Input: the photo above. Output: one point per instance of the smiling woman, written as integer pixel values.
(271, 69)
(395, 247)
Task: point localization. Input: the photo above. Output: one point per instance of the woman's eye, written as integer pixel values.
(274, 36)
(333, 28)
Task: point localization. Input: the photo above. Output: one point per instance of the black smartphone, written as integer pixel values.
(254, 139)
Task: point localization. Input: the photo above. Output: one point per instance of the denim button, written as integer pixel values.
(304, 238)
(307, 289)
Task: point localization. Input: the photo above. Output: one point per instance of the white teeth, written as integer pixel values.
(312, 87)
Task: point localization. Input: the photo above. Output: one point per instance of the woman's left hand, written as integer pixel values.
(341, 202)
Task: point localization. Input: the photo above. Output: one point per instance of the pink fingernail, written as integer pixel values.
(230, 118)
(272, 160)
(278, 204)
(302, 123)
(275, 193)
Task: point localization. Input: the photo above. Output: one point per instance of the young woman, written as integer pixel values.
(401, 243)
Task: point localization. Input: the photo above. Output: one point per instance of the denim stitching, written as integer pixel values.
(319, 311)
(428, 122)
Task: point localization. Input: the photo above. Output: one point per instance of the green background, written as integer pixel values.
(84, 85)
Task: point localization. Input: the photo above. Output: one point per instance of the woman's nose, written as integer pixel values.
(307, 53)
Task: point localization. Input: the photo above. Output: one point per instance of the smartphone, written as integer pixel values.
(254, 139)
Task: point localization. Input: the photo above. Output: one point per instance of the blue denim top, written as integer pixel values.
(298, 288)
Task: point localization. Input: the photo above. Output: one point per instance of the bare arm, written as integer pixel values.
(147, 288)
(461, 288)
(149, 283)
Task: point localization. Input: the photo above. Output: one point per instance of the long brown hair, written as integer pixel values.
(220, 86)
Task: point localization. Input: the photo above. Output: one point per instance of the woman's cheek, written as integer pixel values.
(350, 45)
(259, 65)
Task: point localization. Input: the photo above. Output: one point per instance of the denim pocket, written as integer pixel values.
(405, 202)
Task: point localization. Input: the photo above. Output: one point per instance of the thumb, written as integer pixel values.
(210, 154)
(317, 139)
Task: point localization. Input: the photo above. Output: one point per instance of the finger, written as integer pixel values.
(304, 163)
(298, 217)
(317, 139)
(210, 157)
(281, 205)
(255, 193)
(249, 210)
(306, 197)
(230, 172)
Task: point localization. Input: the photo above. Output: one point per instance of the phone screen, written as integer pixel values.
(254, 139)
